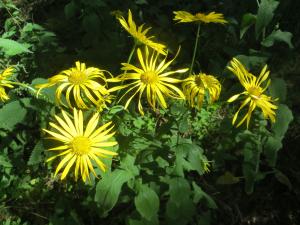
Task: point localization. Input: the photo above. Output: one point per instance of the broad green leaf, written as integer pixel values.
(282, 178)
(278, 36)
(283, 118)
(147, 203)
(195, 159)
(128, 164)
(227, 178)
(271, 148)
(179, 189)
(36, 154)
(278, 89)
(248, 20)
(109, 187)
(70, 9)
(180, 206)
(12, 48)
(13, 113)
(265, 15)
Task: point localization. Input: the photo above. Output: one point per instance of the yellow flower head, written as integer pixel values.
(139, 34)
(79, 82)
(150, 78)
(186, 17)
(80, 145)
(254, 93)
(194, 88)
(4, 82)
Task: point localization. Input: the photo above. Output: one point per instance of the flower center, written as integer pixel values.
(255, 92)
(198, 81)
(77, 77)
(81, 145)
(149, 77)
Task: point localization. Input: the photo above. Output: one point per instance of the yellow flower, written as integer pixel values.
(4, 82)
(150, 78)
(80, 146)
(186, 17)
(80, 81)
(253, 91)
(206, 166)
(194, 88)
(139, 34)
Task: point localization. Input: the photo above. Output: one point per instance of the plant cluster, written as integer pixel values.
(138, 142)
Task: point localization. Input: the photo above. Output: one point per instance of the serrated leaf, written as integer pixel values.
(147, 203)
(108, 189)
(278, 36)
(265, 15)
(13, 113)
(12, 48)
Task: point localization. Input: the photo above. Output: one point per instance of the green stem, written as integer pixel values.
(195, 48)
(128, 61)
(23, 85)
(131, 53)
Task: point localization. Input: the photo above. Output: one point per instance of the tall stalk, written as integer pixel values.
(195, 48)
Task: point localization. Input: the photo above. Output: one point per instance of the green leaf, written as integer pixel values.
(195, 159)
(180, 206)
(70, 9)
(227, 178)
(4, 161)
(271, 147)
(12, 48)
(283, 118)
(282, 178)
(109, 187)
(36, 154)
(7, 120)
(248, 20)
(200, 194)
(147, 203)
(265, 15)
(91, 23)
(278, 89)
(278, 36)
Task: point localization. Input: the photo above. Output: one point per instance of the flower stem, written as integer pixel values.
(195, 48)
(23, 85)
(131, 53)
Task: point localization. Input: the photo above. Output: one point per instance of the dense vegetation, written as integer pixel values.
(174, 153)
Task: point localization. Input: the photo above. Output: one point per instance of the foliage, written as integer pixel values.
(175, 164)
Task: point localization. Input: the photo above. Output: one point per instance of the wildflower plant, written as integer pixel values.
(146, 139)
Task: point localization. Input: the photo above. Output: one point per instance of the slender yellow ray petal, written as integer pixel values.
(68, 166)
(63, 162)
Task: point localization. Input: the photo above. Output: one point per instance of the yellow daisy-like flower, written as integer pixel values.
(139, 34)
(79, 145)
(150, 78)
(194, 88)
(4, 82)
(254, 93)
(81, 82)
(186, 17)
